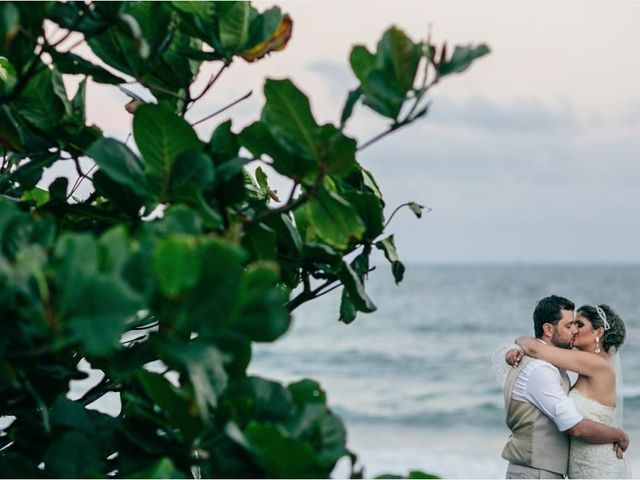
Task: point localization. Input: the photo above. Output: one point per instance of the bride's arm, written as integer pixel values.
(584, 363)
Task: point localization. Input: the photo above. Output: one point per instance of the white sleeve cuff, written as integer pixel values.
(567, 415)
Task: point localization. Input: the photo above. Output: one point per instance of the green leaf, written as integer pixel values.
(213, 302)
(337, 150)
(36, 195)
(256, 398)
(39, 103)
(360, 265)
(263, 316)
(179, 219)
(104, 305)
(173, 405)
(334, 219)
(161, 137)
(176, 265)
(261, 178)
(263, 27)
(355, 289)
(287, 115)
(74, 455)
(416, 208)
(462, 58)
(71, 17)
(382, 94)
(348, 311)
(224, 144)
(258, 140)
(260, 241)
(287, 236)
(71, 63)
(362, 62)
(388, 247)
(307, 391)
(163, 468)
(282, 456)
(114, 249)
(9, 133)
(205, 369)
(119, 163)
(175, 70)
(369, 208)
(192, 172)
(325, 431)
(75, 260)
(234, 26)
(370, 183)
(206, 11)
(398, 55)
(347, 110)
(123, 197)
(8, 77)
(71, 415)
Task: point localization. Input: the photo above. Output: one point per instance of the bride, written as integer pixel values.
(601, 332)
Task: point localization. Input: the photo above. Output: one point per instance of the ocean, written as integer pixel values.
(412, 381)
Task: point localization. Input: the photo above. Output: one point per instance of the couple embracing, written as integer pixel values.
(557, 429)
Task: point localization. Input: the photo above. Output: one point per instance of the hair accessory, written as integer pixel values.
(603, 317)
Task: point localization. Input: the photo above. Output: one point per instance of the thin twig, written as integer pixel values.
(394, 212)
(308, 294)
(235, 102)
(78, 43)
(133, 340)
(67, 35)
(167, 92)
(392, 128)
(212, 80)
(329, 290)
(96, 391)
(293, 191)
(85, 177)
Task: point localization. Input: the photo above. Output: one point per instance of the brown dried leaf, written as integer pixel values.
(276, 43)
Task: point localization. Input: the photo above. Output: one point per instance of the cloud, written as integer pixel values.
(338, 74)
(527, 116)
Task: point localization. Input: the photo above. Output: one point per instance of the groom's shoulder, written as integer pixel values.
(542, 366)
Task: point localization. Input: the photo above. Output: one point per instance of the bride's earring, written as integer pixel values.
(597, 344)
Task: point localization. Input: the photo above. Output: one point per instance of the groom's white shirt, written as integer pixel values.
(540, 384)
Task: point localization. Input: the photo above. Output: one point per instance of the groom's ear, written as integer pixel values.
(547, 329)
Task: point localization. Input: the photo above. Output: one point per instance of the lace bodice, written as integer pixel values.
(588, 460)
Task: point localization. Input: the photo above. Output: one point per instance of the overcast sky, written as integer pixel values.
(532, 155)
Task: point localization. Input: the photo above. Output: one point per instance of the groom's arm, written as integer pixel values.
(596, 432)
(544, 390)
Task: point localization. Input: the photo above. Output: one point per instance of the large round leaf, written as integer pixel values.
(161, 137)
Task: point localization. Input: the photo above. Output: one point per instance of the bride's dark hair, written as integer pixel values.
(615, 335)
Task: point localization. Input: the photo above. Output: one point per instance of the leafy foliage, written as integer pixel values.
(101, 280)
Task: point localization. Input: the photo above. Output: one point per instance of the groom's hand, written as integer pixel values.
(622, 444)
(619, 452)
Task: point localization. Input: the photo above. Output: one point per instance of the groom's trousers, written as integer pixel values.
(521, 471)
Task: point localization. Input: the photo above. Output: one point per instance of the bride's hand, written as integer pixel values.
(513, 357)
(527, 344)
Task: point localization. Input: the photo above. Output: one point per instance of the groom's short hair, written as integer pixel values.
(549, 310)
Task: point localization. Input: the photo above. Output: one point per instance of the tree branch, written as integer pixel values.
(235, 102)
(96, 391)
(212, 80)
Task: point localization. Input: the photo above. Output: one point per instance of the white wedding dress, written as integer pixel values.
(589, 460)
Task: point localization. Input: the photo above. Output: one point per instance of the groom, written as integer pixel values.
(539, 413)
